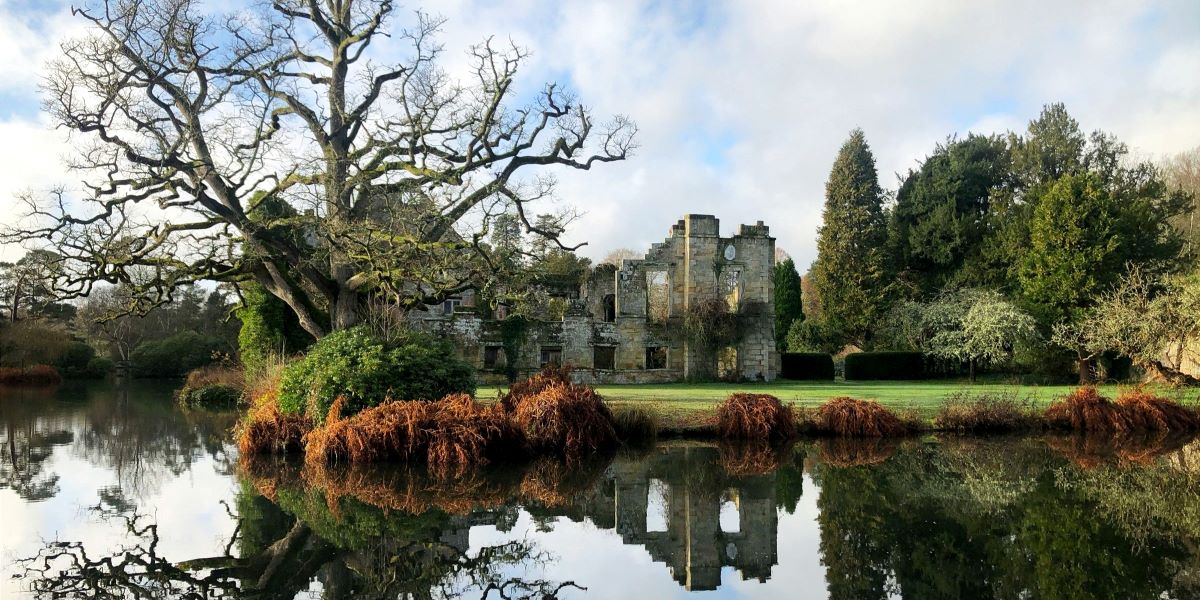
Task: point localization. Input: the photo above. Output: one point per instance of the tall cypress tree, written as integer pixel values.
(789, 303)
(850, 271)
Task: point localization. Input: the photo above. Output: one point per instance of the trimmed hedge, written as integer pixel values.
(808, 366)
(884, 365)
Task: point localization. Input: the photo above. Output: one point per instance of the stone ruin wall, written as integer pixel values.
(698, 264)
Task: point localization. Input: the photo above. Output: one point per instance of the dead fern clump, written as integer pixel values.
(267, 430)
(991, 413)
(1146, 412)
(749, 458)
(755, 417)
(857, 418)
(565, 418)
(448, 435)
(844, 452)
(550, 375)
(1086, 410)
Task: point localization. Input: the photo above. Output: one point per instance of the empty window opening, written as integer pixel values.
(731, 514)
(491, 356)
(727, 362)
(658, 296)
(604, 357)
(731, 288)
(551, 356)
(656, 357)
(657, 505)
(610, 308)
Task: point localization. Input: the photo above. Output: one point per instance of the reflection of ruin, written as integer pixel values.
(671, 503)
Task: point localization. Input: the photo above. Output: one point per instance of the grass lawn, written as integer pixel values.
(923, 397)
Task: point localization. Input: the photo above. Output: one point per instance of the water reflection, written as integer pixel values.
(934, 518)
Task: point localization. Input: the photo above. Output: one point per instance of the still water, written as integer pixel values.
(107, 491)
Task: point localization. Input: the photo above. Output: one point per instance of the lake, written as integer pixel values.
(114, 490)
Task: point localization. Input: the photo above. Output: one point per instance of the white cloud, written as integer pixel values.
(778, 84)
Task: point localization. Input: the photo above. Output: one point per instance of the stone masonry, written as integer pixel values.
(624, 324)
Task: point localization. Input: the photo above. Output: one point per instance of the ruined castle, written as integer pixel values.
(626, 324)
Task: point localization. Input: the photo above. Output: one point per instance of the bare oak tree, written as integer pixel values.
(290, 146)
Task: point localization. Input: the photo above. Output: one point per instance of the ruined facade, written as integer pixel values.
(628, 324)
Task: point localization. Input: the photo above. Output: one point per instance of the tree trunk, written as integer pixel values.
(971, 368)
(1085, 371)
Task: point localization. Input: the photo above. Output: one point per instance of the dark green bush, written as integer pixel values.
(99, 367)
(884, 365)
(812, 366)
(173, 356)
(367, 370)
(74, 360)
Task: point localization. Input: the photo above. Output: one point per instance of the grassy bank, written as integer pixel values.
(685, 405)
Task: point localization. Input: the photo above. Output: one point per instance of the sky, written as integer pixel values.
(742, 105)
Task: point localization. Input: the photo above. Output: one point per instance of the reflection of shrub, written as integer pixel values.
(37, 375)
(1086, 410)
(986, 412)
(749, 458)
(213, 386)
(857, 418)
(884, 365)
(365, 371)
(174, 356)
(755, 417)
(855, 452)
(1146, 412)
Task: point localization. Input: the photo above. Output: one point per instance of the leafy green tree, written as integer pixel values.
(978, 327)
(811, 335)
(789, 303)
(943, 212)
(1074, 248)
(850, 271)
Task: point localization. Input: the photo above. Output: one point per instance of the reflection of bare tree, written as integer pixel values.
(138, 433)
(283, 564)
(27, 441)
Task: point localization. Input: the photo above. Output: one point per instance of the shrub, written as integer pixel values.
(884, 365)
(448, 435)
(534, 385)
(635, 426)
(75, 360)
(174, 356)
(986, 413)
(99, 367)
(570, 419)
(857, 418)
(1086, 410)
(37, 375)
(267, 430)
(811, 366)
(755, 417)
(1146, 412)
(365, 371)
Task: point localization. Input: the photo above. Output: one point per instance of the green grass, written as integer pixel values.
(922, 396)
